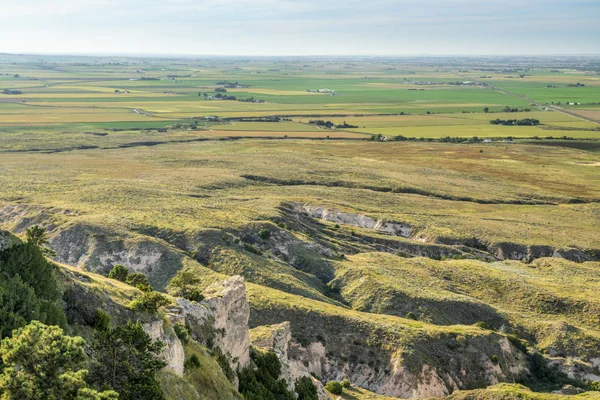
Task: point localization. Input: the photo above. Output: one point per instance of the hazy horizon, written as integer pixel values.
(383, 55)
(301, 28)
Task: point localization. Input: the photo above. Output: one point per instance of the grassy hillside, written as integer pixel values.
(222, 185)
(508, 391)
(533, 300)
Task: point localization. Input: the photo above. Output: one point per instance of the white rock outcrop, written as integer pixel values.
(397, 381)
(358, 220)
(224, 313)
(278, 341)
(172, 353)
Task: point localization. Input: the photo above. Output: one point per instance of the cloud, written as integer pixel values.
(300, 26)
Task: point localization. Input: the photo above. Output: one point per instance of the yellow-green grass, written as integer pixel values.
(190, 186)
(357, 393)
(54, 115)
(276, 92)
(469, 125)
(266, 127)
(208, 379)
(270, 273)
(119, 292)
(505, 391)
(265, 298)
(538, 297)
(323, 134)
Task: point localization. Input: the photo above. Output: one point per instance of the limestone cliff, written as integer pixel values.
(277, 338)
(172, 353)
(222, 319)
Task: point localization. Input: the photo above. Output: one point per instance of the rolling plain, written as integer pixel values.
(425, 250)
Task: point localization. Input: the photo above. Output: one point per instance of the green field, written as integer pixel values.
(155, 93)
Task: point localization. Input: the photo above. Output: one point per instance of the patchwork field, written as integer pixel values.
(61, 92)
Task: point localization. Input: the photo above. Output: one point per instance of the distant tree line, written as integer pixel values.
(231, 85)
(345, 125)
(508, 109)
(320, 122)
(329, 124)
(262, 119)
(219, 96)
(520, 122)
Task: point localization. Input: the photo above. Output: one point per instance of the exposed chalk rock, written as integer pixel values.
(358, 220)
(222, 317)
(172, 353)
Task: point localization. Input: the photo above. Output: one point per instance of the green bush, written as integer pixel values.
(262, 382)
(182, 333)
(518, 343)
(39, 361)
(119, 272)
(28, 289)
(411, 315)
(184, 284)
(593, 386)
(18, 305)
(306, 389)
(140, 281)
(192, 362)
(252, 249)
(345, 383)
(264, 234)
(482, 325)
(223, 361)
(101, 320)
(149, 302)
(37, 236)
(334, 387)
(27, 261)
(126, 359)
(53, 314)
(194, 295)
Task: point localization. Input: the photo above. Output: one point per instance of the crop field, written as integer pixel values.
(285, 134)
(61, 93)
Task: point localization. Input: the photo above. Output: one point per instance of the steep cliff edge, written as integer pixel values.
(221, 319)
(85, 293)
(277, 338)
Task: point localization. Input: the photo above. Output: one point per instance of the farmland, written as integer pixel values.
(369, 202)
(391, 97)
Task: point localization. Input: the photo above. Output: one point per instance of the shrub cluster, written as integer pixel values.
(261, 381)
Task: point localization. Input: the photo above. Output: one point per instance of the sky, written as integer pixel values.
(300, 27)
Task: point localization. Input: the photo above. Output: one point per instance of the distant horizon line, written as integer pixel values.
(189, 55)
